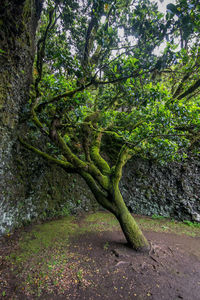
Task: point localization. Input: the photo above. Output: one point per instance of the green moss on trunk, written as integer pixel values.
(131, 230)
(113, 202)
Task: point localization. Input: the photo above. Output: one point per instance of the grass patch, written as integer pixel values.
(101, 221)
(167, 225)
(43, 256)
(52, 235)
(157, 217)
(43, 260)
(192, 224)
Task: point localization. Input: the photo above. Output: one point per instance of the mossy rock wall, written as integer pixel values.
(43, 192)
(172, 191)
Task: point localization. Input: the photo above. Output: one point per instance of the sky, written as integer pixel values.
(162, 8)
(162, 4)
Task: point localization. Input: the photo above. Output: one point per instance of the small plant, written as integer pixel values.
(191, 224)
(165, 227)
(106, 246)
(3, 293)
(80, 275)
(2, 51)
(65, 211)
(157, 217)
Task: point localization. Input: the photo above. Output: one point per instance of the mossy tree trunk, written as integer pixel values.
(18, 23)
(113, 202)
(131, 230)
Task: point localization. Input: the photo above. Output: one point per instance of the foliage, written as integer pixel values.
(139, 98)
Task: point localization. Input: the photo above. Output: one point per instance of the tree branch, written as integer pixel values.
(41, 50)
(95, 155)
(71, 157)
(38, 123)
(100, 195)
(178, 90)
(67, 94)
(191, 89)
(87, 49)
(133, 75)
(61, 163)
(123, 157)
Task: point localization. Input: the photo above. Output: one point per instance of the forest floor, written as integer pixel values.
(86, 257)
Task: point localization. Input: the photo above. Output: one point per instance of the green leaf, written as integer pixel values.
(172, 9)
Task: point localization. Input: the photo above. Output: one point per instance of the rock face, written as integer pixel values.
(172, 191)
(18, 22)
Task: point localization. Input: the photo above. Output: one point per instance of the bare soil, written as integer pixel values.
(100, 265)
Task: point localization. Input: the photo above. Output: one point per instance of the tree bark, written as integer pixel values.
(113, 202)
(18, 23)
(131, 230)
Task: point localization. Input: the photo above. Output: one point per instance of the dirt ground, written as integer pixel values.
(99, 265)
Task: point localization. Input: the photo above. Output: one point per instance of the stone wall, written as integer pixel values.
(171, 191)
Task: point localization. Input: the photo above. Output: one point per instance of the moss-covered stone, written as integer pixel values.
(171, 190)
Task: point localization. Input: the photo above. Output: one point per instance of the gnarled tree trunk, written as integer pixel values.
(113, 202)
(131, 230)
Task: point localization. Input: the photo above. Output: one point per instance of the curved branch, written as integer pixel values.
(65, 95)
(71, 157)
(95, 155)
(191, 89)
(41, 49)
(101, 196)
(38, 123)
(123, 157)
(61, 163)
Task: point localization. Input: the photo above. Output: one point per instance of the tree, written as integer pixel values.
(97, 75)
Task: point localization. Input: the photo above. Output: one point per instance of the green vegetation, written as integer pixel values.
(192, 224)
(2, 51)
(105, 222)
(167, 225)
(4, 294)
(97, 75)
(157, 217)
(53, 234)
(43, 253)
